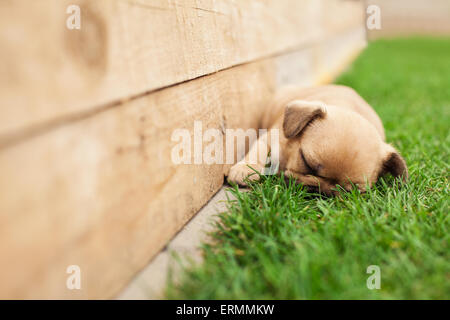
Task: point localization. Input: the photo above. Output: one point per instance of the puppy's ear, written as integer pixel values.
(394, 164)
(298, 114)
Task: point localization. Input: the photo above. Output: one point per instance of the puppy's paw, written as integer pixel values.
(241, 171)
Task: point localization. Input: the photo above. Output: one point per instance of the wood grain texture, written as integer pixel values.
(125, 48)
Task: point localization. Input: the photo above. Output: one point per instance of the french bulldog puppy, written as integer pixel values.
(329, 136)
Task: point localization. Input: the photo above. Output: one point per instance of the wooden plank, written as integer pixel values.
(51, 75)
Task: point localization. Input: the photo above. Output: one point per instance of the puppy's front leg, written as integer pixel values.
(256, 158)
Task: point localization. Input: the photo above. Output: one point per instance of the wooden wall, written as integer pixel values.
(86, 118)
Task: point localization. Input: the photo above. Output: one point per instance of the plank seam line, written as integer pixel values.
(20, 135)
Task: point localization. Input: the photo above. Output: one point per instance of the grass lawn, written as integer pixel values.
(279, 242)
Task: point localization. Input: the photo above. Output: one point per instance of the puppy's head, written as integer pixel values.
(328, 146)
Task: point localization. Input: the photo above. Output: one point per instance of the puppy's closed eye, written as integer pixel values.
(310, 169)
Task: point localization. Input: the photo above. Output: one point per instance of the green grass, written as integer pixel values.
(279, 242)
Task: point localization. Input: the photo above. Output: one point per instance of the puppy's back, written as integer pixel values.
(337, 95)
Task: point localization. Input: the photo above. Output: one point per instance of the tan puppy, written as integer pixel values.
(328, 136)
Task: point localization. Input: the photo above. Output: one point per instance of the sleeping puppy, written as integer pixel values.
(329, 136)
